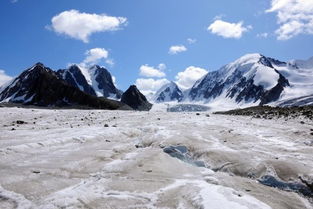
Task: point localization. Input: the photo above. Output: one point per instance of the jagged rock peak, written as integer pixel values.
(38, 67)
(135, 99)
(94, 80)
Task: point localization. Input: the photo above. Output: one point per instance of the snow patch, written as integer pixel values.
(266, 77)
(86, 73)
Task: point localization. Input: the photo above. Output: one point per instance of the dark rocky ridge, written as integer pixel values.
(135, 99)
(268, 112)
(42, 86)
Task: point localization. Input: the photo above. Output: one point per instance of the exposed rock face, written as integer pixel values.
(169, 92)
(274, 93)
(95, 80)
(74, 77)
(135, 99)
(105, 82)
(42, 86)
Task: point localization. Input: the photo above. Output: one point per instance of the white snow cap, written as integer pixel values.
(250, 67)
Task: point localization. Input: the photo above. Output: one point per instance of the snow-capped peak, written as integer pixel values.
(168, 92)
(248, 79)
(93, 80)
(247, 59)
(255, 66)
(170, 85)
(38, 65)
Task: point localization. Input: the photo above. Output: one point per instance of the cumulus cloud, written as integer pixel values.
(80, 26)
(177, 49)
(148, 71)
(95, 55)
(149, 85)
(191, 40)
(189, 76)
(228, 30)
(293, 16)
(4, 77)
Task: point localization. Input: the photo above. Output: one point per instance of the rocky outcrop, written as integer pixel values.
(135, 99)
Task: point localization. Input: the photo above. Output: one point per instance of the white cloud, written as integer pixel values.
(81, 25)
(189, 76)
(177, 49)
(228, 30)
(149, 85)
(262, 35)
(4, 77)
(293, 16)
(95, 55)
(148, 71)
(191, 40)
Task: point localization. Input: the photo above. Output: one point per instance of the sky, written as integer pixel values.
(151, 42)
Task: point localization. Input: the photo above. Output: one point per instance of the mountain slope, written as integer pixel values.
(167, 93)
(250, 79)
(299, 101)
(300, 76)
(95, 80)
(42, 86)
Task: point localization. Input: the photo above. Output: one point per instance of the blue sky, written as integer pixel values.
(218, 32)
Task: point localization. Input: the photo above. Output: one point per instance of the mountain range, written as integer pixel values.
(75, 86)
(253, 79)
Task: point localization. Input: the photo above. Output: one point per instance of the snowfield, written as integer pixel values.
(53, 159)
